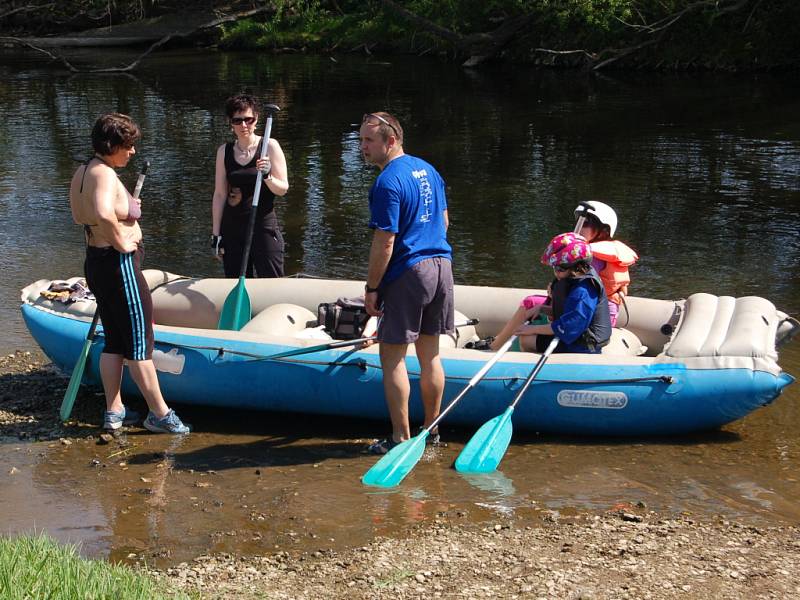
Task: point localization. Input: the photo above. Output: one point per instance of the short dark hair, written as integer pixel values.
(240, 103)
(113, 131)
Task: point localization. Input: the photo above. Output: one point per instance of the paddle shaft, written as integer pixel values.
(539, 364)
(271, 108)
(140, 181)
(473, 382)
(342, 344)
(77, 371)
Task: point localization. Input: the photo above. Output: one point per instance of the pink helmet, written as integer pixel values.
(565, 250)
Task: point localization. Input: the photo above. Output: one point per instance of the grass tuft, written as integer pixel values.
(35, 566)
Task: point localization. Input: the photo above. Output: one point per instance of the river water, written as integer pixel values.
(703, 169)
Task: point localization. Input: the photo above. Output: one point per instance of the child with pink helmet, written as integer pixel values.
(578, 303)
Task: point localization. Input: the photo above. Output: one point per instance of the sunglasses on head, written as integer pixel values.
(366, 119)
(240, 120)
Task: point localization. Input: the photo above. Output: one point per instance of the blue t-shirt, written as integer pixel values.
(579, 307)
(408, 199)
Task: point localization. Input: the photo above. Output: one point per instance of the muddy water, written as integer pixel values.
(254, 483)
(703, 170)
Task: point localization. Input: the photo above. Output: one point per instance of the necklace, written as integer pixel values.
(247, 150)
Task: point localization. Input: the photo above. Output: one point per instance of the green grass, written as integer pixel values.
(37, 567)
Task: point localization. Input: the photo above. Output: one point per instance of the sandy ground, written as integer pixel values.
(629, 552)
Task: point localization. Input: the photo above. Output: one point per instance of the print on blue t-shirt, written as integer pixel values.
(408, 199)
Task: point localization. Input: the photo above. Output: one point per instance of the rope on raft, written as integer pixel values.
(364, 365)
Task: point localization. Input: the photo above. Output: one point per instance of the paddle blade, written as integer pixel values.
(487, 447)
(236, 311)
(392, 468)
(74, 382)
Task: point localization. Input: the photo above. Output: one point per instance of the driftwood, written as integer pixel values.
(130, 67)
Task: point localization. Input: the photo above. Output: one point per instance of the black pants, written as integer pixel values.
(266, 252)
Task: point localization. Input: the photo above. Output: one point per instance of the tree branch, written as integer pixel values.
(210, 25)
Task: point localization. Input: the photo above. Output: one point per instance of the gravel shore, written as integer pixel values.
(619, 555)
(629, 552)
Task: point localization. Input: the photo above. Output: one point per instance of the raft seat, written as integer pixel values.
(624, 342)
(282, 319)
(292, 320)
(725, 326)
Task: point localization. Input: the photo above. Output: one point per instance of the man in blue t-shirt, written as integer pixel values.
(410, 279)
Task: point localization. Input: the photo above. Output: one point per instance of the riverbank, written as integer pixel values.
(626, 552)
(726, 35)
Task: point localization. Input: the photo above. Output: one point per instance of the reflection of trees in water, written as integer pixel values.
(702, 169)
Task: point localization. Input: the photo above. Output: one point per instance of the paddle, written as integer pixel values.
(77, 372)
(342, 344)
(392, 468)
(236, 311)
(486, 448)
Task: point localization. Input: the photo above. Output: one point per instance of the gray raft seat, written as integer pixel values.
(725, 326)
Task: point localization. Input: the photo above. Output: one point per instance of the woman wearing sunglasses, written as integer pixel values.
(236, 172)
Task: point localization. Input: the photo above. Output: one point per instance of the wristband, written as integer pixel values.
(370, 290)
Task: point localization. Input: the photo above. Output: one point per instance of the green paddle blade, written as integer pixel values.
(236, 311)
(392, 468)
(487, 447)
(74, 382)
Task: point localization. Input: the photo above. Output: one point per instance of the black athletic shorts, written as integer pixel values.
(123, 299)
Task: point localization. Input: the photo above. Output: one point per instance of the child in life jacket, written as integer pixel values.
(577, 301)
(610, 258)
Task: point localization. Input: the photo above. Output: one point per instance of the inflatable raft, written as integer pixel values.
(673, 366)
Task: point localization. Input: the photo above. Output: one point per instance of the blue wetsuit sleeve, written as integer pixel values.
(579, 307)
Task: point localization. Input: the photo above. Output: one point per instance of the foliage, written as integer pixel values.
(37, 567)
(759, 33)
(665, 33)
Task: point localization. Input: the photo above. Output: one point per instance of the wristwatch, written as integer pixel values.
(370, 290)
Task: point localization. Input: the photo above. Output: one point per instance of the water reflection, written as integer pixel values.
(703, 170)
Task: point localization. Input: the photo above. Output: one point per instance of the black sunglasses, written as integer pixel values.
(366, 119)
(240, 120)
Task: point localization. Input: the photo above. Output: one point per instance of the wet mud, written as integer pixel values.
(248, 483)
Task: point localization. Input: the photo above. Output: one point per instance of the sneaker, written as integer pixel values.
(433, 439)
(114, 420)
(382, 446)
(484, 344)
(169, 423)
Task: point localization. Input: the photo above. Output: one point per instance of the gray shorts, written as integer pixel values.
(420, 301)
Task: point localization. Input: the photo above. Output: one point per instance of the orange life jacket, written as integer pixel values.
(615, 276)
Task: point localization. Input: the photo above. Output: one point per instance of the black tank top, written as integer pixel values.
(244, 177)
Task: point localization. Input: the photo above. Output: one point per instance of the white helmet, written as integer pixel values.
(601, 211)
